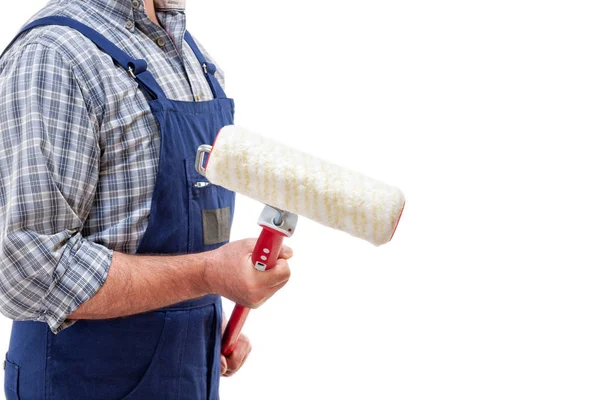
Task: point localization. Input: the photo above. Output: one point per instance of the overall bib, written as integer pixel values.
(171, 353)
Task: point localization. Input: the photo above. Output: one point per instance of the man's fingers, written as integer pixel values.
(223, 365)
(286, 252)
(230, 372)
(280, 273)
(236, 359)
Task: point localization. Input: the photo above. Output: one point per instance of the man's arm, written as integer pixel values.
(49, 168)
(138, 283)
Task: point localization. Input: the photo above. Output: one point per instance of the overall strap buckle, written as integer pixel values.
(136, 67)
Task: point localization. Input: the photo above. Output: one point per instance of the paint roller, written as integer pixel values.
(292, 183)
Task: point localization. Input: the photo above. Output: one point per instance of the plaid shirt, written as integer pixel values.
(79, 150)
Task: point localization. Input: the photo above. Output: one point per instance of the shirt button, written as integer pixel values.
(135, 4)
(161, 42)
(129, 24)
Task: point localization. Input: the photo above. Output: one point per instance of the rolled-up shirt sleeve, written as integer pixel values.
(49, 166)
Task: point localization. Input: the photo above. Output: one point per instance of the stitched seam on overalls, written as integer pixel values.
(47, 380)
(181, 353)
(210, 382)
(191, 307)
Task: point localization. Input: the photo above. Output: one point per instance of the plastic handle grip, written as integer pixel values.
(264, 256)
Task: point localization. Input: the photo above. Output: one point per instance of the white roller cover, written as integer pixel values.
(280, 176)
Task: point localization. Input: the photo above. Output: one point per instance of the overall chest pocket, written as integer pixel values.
(210, 211)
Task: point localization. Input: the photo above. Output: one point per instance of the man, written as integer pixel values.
(113, 249)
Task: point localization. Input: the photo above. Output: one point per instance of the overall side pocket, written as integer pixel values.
(11, 380)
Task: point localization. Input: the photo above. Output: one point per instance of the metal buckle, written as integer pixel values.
(202, 151)
(130, 69)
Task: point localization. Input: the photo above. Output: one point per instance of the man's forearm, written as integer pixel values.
(139, 283)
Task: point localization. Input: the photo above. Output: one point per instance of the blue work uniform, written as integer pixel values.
(171, 353)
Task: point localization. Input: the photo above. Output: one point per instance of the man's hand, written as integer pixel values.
(233, 362)
(253, 288)
(232, 275)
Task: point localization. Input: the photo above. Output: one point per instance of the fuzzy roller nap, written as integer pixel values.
(288, 179)
(291, 182)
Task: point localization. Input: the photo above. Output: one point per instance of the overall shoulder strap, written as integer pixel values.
(209, 69)
(137, 68)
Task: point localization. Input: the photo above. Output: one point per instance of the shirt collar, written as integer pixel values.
(114, 10)
(122, 10)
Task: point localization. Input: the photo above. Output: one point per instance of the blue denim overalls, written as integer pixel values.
(171, 353)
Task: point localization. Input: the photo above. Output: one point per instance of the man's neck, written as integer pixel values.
(149, 4)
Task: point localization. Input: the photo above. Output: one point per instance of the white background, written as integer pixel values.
(486, 114)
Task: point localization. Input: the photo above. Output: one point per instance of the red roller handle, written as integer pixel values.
(264, 257)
